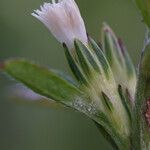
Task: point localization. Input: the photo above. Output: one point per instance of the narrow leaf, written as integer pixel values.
(41, 80)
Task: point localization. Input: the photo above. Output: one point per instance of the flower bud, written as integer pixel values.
(64, 21)
(119, 60)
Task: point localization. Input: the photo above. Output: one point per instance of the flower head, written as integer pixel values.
(64, 21)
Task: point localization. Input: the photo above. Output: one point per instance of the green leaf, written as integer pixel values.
(42, 80)
(144, 6)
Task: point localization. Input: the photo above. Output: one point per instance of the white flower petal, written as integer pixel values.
(64, 21)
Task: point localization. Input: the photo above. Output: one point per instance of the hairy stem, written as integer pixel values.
(141, 122)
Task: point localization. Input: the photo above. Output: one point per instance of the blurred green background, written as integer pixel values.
(35, 127)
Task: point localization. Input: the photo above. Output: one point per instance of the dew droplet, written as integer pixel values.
(88, 108)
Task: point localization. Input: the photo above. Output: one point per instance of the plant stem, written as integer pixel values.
(141, 126)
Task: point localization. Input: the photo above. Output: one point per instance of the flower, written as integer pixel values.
(22, 92)
(64, 21)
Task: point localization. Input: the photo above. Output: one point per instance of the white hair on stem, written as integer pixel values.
(64, 20)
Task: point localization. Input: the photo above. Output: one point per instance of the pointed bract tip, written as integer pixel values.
(119, 86)
(77, 43)
(106, 27)
(64, 45)
(121, 45)
(131, 98)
